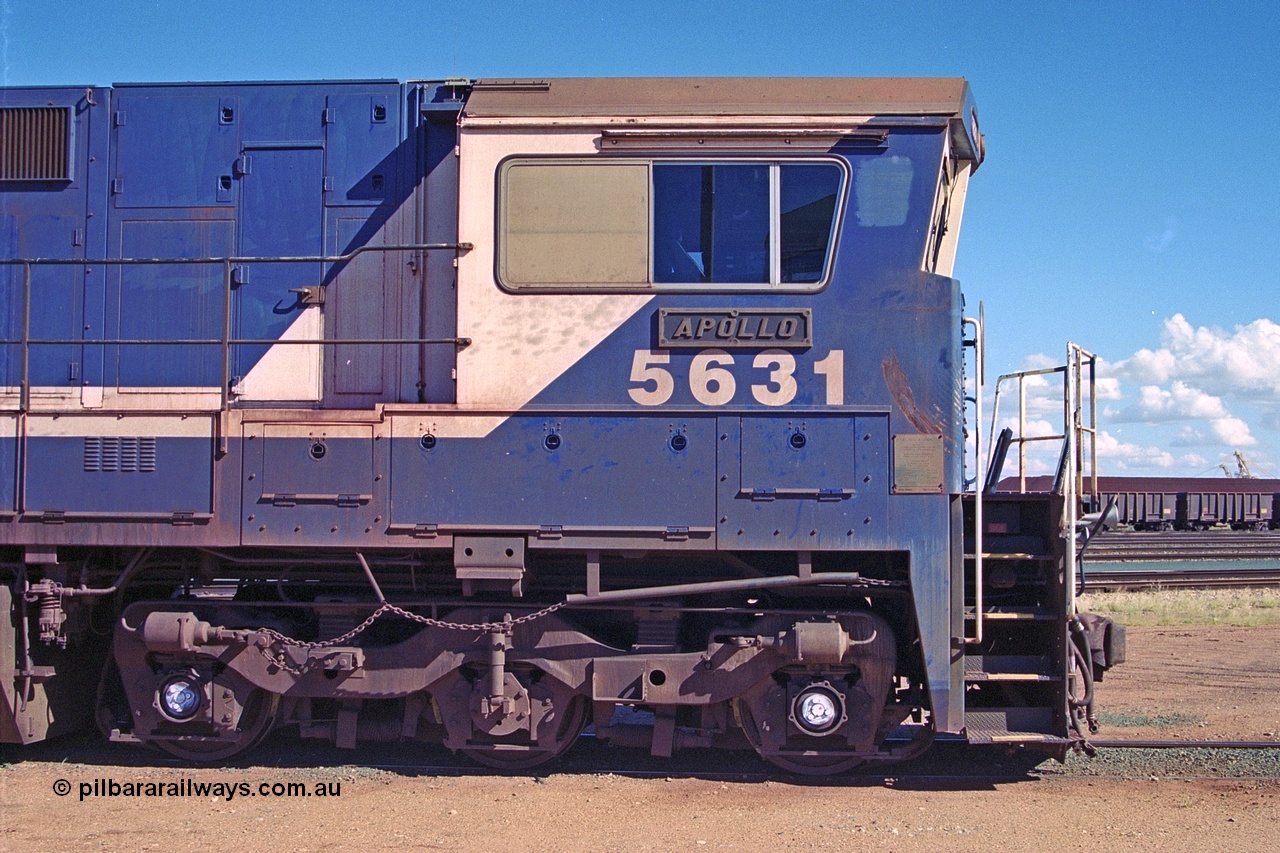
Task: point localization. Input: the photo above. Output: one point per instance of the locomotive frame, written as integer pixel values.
(472, 411)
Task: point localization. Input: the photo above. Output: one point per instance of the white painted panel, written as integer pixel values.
(444, 426)
(288, 372)
(75, 426)
(520, 343)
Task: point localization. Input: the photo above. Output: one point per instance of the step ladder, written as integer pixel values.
(1020, 570)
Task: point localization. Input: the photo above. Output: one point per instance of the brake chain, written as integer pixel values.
(279, 659)
(387, 607)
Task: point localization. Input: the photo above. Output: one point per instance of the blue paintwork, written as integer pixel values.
(56, 480)
(8, 468)
(40, 219)
(249, 170)
(610, 473)
(847, 455)
(178, 171)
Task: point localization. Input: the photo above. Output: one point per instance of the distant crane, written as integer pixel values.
(1242, 468)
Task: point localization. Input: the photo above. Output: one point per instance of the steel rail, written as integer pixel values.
(1196, 579)
(1185, 744)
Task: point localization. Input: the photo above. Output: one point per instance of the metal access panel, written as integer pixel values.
(281, 215)
(583, 476)
(358, 296)
(144, 467)
(803, 483)
(8, 463)
(159, 302)
(362, 133)
(174, 147)
(46, 189)
(313, 484)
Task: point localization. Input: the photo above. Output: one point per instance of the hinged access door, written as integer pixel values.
(281, 216)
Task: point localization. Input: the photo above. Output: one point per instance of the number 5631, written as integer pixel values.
(712, 382)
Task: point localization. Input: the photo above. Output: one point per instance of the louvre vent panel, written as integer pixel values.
(34, 144)
(93, 454)
(123, 455)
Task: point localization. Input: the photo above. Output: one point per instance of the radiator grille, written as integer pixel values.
(116, 454)
(34, 144)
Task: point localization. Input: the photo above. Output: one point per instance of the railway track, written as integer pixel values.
(950, 759)
(1214, 577)
(1127, 560)
(1189, 545)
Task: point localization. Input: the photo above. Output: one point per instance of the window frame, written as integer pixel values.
(774, 285)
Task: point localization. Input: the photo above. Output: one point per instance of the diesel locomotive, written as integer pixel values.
(478, 412)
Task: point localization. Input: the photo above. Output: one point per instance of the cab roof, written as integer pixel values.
(712, 96)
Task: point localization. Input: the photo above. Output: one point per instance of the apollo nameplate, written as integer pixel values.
(735, 327)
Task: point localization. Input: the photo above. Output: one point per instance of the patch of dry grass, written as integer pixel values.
(1151, 608)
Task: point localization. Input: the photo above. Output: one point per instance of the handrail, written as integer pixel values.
(244, 259)
(1077, 356)
(979, 357)
(1022, 438)
(1079, 378)
(226, 341)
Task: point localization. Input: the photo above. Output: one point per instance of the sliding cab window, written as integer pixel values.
(640, 223)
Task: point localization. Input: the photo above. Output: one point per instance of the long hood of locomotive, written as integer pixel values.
(827, 418)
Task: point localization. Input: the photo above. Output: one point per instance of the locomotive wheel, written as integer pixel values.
(572, 719)
(255, 722)
(811, 764)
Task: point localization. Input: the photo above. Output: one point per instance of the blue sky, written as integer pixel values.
(1129, 199)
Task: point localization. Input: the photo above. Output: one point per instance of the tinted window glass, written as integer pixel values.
(574, 224)
(711, 223)
(808, 215)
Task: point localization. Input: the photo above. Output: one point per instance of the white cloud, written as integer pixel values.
(1232, 432)
(1108, 388)
(1200, 394)
(1177, 403)
(1035, 427)
(1127, 456)
(1148, 366)
(1189, 436)
(1243, 362)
